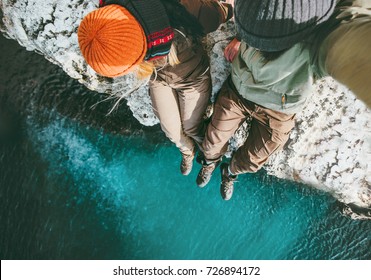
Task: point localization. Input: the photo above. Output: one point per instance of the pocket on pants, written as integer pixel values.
(265, 150)
(281, 129)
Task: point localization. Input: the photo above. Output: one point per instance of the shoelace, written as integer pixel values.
(205, 171)
(228, 179)
(187, 158)
(227, 186)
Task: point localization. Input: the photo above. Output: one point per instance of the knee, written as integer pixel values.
(240, 167)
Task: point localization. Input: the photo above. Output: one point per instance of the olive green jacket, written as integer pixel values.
(283, 84)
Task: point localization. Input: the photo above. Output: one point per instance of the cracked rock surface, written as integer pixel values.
(330, 147)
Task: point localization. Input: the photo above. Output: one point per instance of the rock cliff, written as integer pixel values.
(330, 147)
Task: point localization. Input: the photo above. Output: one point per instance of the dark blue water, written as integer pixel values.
(77, 185)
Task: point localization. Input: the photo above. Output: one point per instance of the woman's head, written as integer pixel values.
(112, 41)
(117, 37)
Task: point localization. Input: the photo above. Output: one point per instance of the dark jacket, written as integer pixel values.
(191, 54)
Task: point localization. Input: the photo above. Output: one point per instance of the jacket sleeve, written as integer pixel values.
(210, 13)
(345, 53)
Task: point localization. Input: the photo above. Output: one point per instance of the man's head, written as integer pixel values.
(275, 25)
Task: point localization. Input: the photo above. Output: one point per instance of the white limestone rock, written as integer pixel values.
(330, 147)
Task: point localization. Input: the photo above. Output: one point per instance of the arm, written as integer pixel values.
(345, 55)
(210, 13)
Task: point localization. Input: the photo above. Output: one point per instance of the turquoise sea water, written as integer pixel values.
(72, 189)
(91, 195)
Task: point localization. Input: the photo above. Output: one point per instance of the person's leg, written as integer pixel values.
(229, 114)
(193, 99)
(166, 108)
(269, 132)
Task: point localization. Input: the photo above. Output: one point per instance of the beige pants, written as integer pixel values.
(180, 108)
(269, 131)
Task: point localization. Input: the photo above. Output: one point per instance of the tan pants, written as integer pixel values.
(180, 108)
(269, 131)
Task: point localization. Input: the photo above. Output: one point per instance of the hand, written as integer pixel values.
(231, 50)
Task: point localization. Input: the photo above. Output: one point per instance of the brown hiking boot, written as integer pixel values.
(205, 173)
(226, 186)
(186, 164)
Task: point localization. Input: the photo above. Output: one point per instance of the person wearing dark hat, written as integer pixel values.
(285, 45)
(339, 44)
(161, 41)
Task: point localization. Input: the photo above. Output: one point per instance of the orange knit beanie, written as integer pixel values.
(112, 41)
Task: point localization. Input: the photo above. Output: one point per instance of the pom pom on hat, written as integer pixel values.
(112, 41)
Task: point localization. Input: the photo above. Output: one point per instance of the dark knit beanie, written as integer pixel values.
(274, 25)
(152, 16)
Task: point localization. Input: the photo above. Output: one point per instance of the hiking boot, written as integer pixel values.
(204, 175)
(226, 186)
(186, 164)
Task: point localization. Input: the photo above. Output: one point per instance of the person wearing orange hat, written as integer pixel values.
(161, 41)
